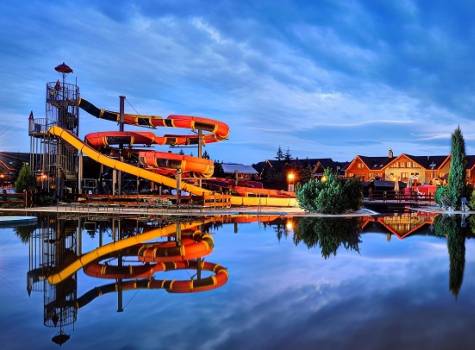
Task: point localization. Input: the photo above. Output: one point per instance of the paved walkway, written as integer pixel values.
(438, 210)
(117, 210)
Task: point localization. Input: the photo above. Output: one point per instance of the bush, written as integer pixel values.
(442, 197)
(330, 195)
(25, 180)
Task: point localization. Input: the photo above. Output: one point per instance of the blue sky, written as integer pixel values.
(326, 78)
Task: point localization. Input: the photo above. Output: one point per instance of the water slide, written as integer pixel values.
(157, 165)
(125, 243)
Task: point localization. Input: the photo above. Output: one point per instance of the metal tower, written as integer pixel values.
(54, 162)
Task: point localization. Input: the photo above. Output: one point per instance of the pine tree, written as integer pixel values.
(181, 152)
(456, 186)
(280, 154)
(287, 155)
(206, 155)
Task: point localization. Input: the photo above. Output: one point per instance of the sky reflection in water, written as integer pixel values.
(362, 283)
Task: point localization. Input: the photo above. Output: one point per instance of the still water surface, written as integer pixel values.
(395, 281)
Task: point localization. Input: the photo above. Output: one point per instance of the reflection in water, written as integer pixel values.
(132, 260)
(140, 253)
(328, 234)
(452, 228)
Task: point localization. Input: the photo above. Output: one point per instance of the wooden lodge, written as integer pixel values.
(407, 168)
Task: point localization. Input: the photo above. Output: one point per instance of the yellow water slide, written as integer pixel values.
(161, 179)
(97, 253)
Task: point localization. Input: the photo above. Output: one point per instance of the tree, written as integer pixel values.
(450, 226)
(218, 169)
(25, 180)
(280, 154)
(287, 155)
(456, 186)
(206, 155)
(182, 153)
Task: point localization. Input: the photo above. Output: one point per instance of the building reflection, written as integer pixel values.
(136, 251)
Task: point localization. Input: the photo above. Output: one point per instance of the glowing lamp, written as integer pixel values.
(289, 225)
(290, 177)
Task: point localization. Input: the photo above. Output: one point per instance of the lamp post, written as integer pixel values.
(290, 181)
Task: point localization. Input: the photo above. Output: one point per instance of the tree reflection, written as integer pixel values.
(328, 233)
(450, 226)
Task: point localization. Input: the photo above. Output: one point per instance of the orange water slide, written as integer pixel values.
(166, 163)
(216, 280)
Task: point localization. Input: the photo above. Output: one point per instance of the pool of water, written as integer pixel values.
(394, 281)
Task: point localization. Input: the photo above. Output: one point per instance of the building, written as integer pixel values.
(240, 171)
(407, 168)
(417, 169)
(368, 168)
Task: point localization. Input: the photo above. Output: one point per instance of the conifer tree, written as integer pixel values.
(287, 155)
(280, 154)
(456, 186)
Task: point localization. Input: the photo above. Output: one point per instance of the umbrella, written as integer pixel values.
(63, 68)
(60, 339)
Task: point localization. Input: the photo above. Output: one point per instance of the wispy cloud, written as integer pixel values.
(258, 67)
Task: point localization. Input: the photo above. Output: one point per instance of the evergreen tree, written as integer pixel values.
(280, 154)
(456, 187)
(287, 155)
(181, 152)
(25, 180)
(218, 169)
(206, 155)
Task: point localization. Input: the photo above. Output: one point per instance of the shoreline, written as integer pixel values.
(107, 210)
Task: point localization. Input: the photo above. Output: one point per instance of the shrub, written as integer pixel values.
(25, 180)
(442, 197)
(330, 195)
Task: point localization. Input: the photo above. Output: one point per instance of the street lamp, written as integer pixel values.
(289, 225)
(290, 181)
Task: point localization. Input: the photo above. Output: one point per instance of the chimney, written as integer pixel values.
(390, 154)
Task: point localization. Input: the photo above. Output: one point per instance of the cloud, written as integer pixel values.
(295, 67)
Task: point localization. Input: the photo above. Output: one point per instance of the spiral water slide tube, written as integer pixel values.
(113, 247)
(216, 280)
(159, 164)
(163, 257)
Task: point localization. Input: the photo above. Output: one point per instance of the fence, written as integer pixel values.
(400, 197)
(13, 200)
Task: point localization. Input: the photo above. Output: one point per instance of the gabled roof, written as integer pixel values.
(325, 163)
(231, 168)
(428, 162)
(470, 162)
(375, 163)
